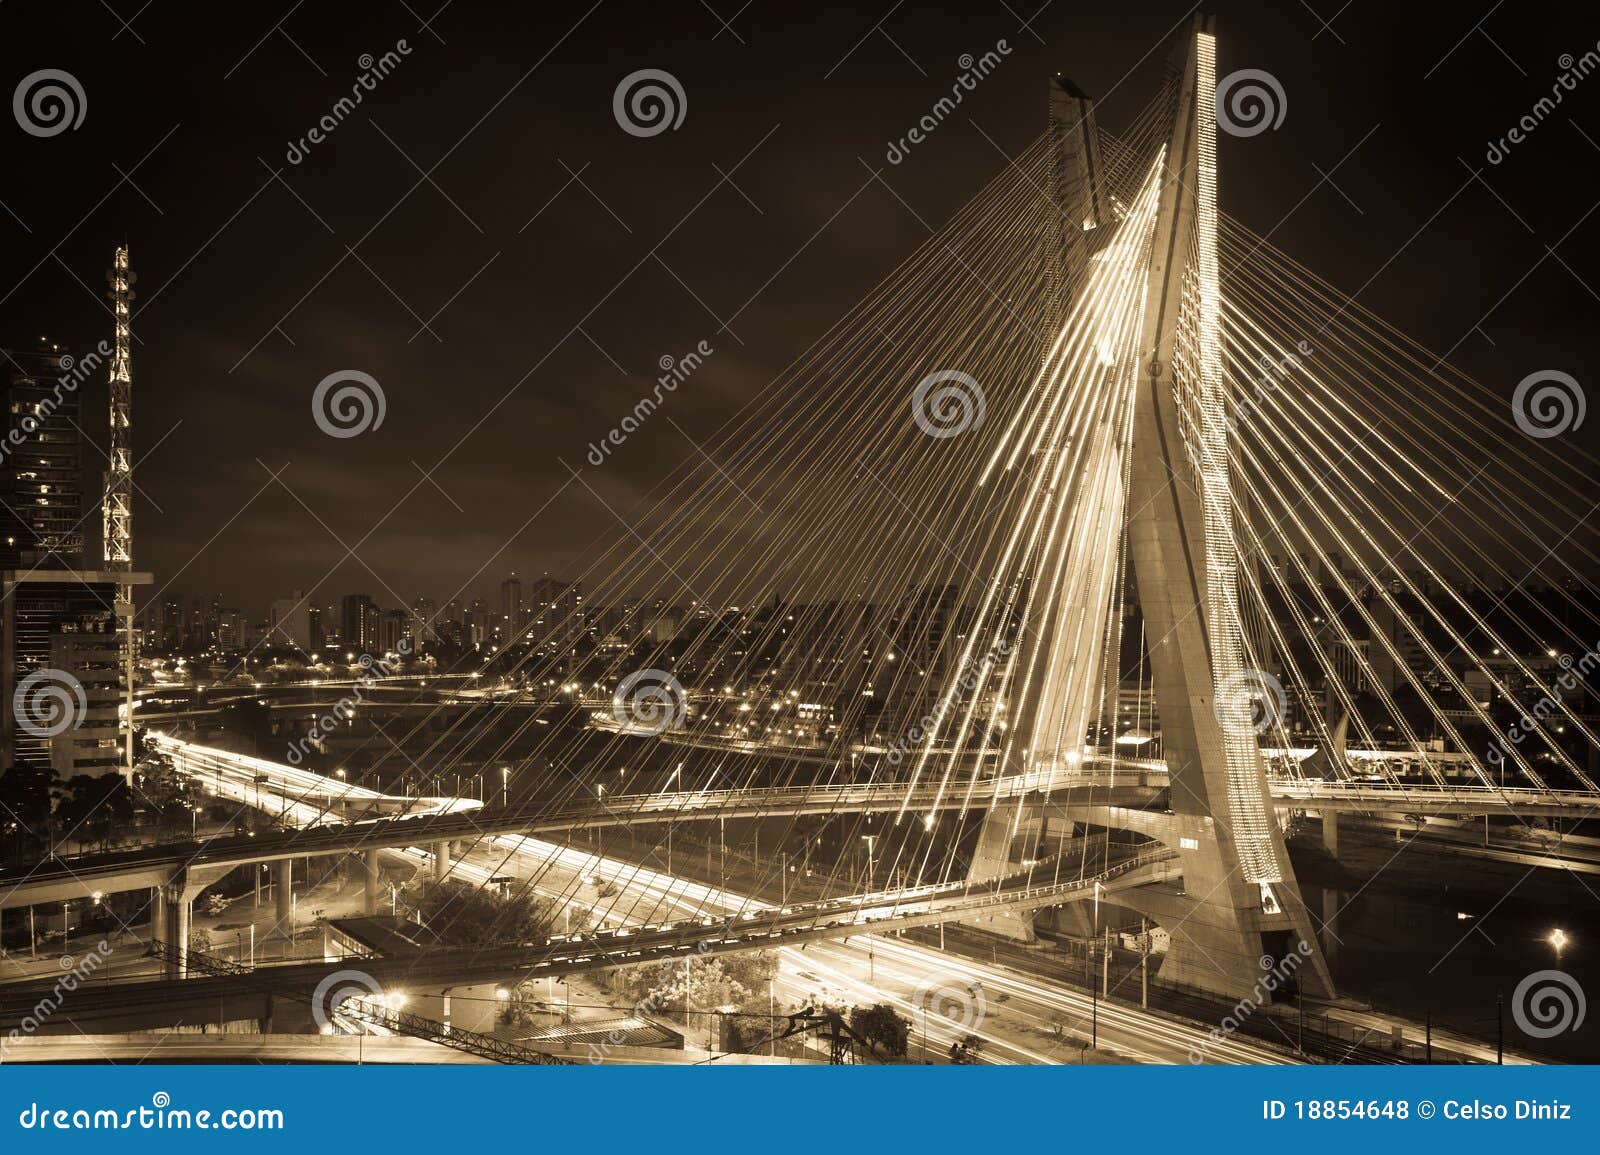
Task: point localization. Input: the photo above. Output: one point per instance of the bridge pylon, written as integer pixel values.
(1237, 923)
(1238, 917)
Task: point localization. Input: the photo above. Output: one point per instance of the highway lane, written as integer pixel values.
(900, 973)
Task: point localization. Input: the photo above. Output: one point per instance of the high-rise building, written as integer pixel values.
(61, 674)
(556, 609)
(232, 630)
(425, 620)
(393, 626)
(41, 460)
(289, 622)
(62, 637)
(511, 606)
(477, 619)
(358, 629)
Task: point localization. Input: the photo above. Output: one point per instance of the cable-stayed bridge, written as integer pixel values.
(1096, 517)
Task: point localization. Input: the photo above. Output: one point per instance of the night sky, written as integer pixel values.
(482, 237)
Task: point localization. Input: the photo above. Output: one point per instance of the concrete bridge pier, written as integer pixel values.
(1330, 832)
(372, 881)
(175, 926)
(283, 890)
(158, 915)
(441, 860)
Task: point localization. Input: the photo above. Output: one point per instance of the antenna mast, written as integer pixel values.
(117, 506)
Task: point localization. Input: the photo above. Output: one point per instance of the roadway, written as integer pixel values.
(434, 821)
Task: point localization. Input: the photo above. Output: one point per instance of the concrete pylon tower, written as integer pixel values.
(1238, 916)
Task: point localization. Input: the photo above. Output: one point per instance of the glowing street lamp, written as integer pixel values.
(1558, 939)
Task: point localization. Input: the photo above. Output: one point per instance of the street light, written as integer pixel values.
(1559, 940)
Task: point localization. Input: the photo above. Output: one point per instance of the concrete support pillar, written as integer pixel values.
(283, 888)
(1330, 832)
(1332, 904)
(441, 860)
(177, 928)
(158, 915)
(373, 880)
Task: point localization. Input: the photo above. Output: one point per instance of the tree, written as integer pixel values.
(695, 984)
(173, 797)
(883, 1030)
(89, 809)
(463, 914)
(25, 800)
